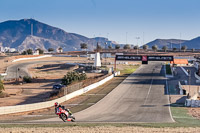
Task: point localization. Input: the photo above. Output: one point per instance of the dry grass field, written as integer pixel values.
(99, 129)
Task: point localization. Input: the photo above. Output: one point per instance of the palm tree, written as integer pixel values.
(60, 50)
(136, 47)
(117, 46)
(164, 48)
(154, 48)
(29, 51)
(50, 49)
(193, 49)
(174, 49)
(99, 48)
(40, 51)
(127, 46)
(145, 47)
(83, 45)
(110, 46)
(184, 48)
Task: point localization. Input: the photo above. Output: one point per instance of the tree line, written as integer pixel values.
(136, 47)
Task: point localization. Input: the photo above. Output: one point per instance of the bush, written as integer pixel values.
(3, 95)
(168, 69)
(71, 77)
(1, 86)
(27, 79)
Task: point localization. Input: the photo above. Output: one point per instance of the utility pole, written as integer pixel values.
(137, 43)
(180, 41)
(105, 54)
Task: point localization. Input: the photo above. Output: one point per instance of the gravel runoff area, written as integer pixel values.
(99, 129)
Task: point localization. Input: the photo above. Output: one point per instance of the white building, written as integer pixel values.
(36, 52)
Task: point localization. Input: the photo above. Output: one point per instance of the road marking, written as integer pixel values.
(170, 113)
(95, 94)
(148, 92)
(77, 104)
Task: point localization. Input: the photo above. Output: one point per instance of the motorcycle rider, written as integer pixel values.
(57, 110)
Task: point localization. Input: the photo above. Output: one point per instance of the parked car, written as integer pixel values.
(57, 86)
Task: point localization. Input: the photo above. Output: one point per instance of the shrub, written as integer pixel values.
(168, 69)
(27, 79)
(1, 86)
(71, 77)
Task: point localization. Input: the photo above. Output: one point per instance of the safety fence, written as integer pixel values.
(41, 105)
(79, 85)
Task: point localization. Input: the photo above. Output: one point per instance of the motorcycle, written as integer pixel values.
(65, 116)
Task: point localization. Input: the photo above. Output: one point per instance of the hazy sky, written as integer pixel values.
(119, 20)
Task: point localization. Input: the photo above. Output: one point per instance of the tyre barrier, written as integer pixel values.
(192, 103)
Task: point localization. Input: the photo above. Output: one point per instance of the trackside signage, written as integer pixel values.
(129, 57)
(144, 58)
(160, 58)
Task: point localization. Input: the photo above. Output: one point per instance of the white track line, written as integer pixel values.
(148, 92)
(170, 113)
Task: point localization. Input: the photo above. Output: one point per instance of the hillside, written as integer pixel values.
(17, 34)
(194, 43)
(166, 42)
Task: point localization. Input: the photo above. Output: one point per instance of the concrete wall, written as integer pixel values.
(41, 105)
(31, 58)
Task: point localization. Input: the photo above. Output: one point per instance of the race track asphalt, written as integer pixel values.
(20, 69)
(139, 98)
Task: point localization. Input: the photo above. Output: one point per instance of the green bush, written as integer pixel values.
(71, 77)
(168, 69)
(1, 86)
(27, 79)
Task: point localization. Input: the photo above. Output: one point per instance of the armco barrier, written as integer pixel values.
(31, 58)
(181, 88)
(184, 71)
(41, 105)
(196, 76)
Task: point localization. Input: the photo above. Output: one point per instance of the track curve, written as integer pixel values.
(139, 98)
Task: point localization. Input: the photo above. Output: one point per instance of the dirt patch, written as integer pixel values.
(3, 95)
(195, 112)
(25, 94)
(99, 129)
(45, 75)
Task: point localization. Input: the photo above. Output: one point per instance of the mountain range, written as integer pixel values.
(30, 33)
(176, 43)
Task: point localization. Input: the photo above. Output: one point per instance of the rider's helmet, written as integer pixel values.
(56, 104)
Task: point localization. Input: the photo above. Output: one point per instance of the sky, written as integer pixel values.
(123, 21)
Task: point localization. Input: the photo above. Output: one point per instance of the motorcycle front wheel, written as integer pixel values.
(63, 117)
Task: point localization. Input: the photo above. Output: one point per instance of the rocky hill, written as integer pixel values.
(170, 43)
(17, 34)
